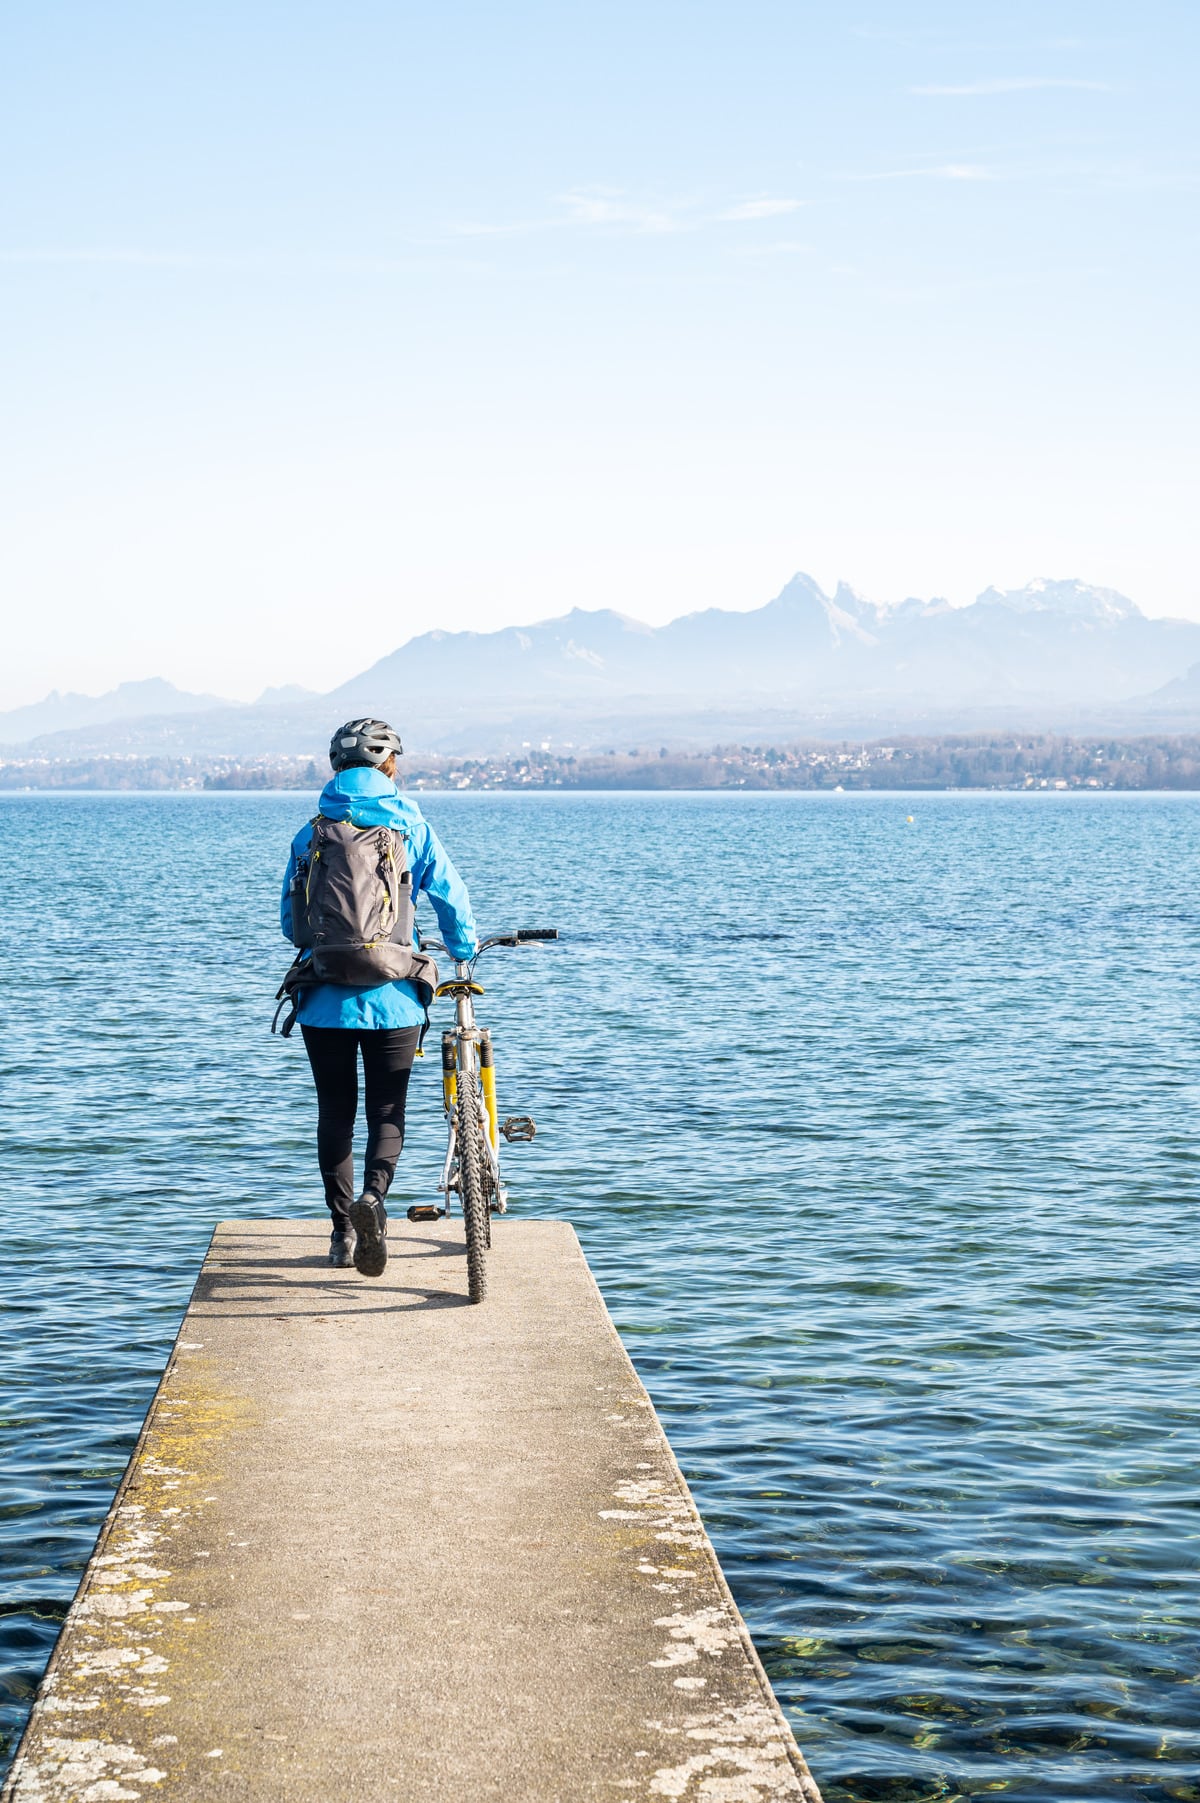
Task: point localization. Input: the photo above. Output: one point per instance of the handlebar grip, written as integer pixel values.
(526, 933)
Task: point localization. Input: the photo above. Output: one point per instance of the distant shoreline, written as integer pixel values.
(1000, 762)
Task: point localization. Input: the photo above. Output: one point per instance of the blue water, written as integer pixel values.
(879, 1134)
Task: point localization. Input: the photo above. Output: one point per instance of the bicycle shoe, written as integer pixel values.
(368, 1217)
(341, 1248)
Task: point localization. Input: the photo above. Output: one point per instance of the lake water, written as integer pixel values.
(880, 1136)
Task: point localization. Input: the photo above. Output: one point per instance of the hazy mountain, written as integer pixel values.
(239, 730)
(1179, 696)
(1061, 641)
(286, 695)
(129, 701)
(1052, 655)
(599, 653)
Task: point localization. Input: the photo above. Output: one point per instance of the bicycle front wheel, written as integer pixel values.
(471, 1181)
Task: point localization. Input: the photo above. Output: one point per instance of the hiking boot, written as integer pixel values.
(368, 1217)
(341, 1248)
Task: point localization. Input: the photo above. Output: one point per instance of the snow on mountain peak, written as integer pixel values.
(1071, 599)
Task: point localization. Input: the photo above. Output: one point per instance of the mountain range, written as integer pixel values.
(1052, 655)
(128, 701)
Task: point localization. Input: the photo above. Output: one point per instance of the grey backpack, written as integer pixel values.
(352, 913)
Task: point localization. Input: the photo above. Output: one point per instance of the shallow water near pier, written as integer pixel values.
(878, 1132)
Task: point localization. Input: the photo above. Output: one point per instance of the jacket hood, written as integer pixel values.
(366, 797)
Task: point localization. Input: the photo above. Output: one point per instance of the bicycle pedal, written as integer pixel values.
(425, 1211)
(518, 1127)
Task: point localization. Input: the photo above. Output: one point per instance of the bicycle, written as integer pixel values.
(471, 1168)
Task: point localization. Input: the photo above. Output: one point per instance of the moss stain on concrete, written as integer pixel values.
(584, 1619)
(134, 1618)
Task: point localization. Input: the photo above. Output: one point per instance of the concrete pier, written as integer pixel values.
(375, 1542)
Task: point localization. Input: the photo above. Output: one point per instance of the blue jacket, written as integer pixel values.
(368, 798)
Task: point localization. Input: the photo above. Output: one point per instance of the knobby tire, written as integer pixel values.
(474, 1190)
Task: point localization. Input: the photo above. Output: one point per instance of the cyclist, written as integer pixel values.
(384, 1022)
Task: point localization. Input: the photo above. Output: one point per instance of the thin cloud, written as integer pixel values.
(942, 172)
(1013, 84)
(604, 207)
(759, 209)
(612, 209)
(159, 259)
(780, 247)
(469, 228)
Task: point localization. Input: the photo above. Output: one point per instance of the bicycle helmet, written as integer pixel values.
(363, 742)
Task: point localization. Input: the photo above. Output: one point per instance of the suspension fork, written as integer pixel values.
(449, 1071)
(487, 1082)
(455, 1056)
(459, 1057)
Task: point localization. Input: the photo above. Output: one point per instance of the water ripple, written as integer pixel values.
(878, 1136)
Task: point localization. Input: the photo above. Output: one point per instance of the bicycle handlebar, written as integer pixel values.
(522, 936)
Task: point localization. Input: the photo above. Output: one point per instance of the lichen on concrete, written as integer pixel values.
(750, 1756)
(469, 1517)
(129, 1623)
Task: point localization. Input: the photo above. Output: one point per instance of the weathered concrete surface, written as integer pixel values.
(375, 1542)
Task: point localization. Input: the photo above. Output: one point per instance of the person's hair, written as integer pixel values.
(387, 768)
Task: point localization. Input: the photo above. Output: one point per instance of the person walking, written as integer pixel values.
(369, 849)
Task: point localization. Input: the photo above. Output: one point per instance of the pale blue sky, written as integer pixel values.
(323, 325)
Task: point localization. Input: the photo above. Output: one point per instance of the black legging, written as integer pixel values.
(387, 1055)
